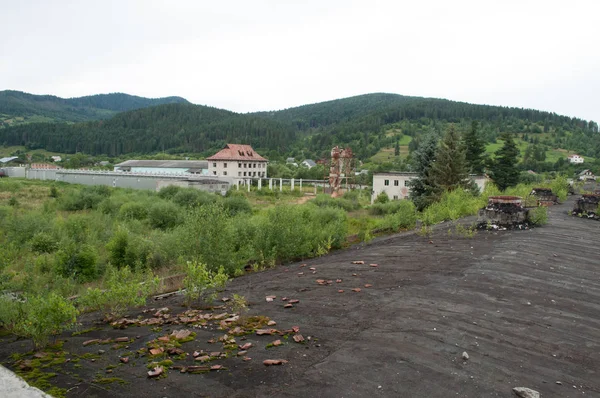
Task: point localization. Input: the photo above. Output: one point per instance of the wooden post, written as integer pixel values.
(271, 184)
(292, 185)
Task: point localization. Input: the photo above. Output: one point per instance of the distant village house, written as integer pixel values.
(575, 159)
(587, 175)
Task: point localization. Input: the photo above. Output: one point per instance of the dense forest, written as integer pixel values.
(17, 107)
(366, 123)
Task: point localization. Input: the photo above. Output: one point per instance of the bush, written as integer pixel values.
(340, 203)
(164, 215)
(404, 216)
(199, 280)
(380, 209)
(43, 242)
(77, 261)
(134, 211)
(236, 205)
(539, 215)
(168, 192)
(382, 198)
(122, 289)
(209, 236)
(127, 251)
(452, 206)
(38, 317)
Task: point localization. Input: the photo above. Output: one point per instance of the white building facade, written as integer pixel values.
(237, 161)
(575, 159)
(394, 184)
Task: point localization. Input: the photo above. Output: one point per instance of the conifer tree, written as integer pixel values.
(475, 150)
(449, 171)
(422, 187)
(503, 168)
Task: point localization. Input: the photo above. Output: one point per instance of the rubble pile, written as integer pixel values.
(504, 212)
(587, 206)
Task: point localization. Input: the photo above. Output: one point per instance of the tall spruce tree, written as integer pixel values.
(449, 171)
(475, 150)
(422, 188)
(503, 168)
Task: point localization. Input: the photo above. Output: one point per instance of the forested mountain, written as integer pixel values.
(174, 128)
(366, 123)
(17, 107)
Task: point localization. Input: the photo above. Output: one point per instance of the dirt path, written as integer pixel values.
(524, 305)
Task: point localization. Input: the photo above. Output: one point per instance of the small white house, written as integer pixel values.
(575, 159)
(56, 158)
(587, 175)
(237, 161)
(309, 163)
(394, 184)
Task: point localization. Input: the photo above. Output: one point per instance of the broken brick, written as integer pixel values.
(358, 262)
(368, 285)
(276, 343)
(94, 341)
(157, 371)
(124, 359)
(298, 338)
(269, 362)
(356, 289)
(156, 351)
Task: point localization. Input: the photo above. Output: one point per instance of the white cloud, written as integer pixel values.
(263, 55)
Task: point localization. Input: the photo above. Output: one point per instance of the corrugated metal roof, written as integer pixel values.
(167, 164)
(8, 159)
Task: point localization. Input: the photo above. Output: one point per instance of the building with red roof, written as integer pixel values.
(239, 161)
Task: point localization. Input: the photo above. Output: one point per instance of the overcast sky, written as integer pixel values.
(266, 55)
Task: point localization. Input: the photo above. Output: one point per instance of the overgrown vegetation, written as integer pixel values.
(107, 245)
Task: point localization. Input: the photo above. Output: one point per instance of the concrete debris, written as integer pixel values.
(524, 392)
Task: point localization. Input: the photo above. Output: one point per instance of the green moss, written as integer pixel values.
(166, 364)
(41, 380)
(78, 333)
(108, 380)
(89, 355)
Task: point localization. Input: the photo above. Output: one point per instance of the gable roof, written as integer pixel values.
(586, 172)
(237, 152)
(309, 162)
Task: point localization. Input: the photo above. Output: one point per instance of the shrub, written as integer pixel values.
(452, 206)
(43, 242)
(382, 198)
(404, 216)
(38, 317)
(199, 280)
(164, 215)
(77, 261)
(187, 198)
(340, 203)
(13, 202)
(236, 205)
(134, 211)
(122, 289)
(168, 192)
(209, 236)
(127, 251)
(539, 215)
(53, 191)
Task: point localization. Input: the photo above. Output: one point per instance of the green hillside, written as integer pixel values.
(171, 128)
(19, 108)
(372, 125)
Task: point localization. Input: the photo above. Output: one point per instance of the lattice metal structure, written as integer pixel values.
(341, 168)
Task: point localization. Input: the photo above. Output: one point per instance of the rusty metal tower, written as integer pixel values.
(340, 169)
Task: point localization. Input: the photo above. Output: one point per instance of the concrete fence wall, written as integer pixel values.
(157, 181)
